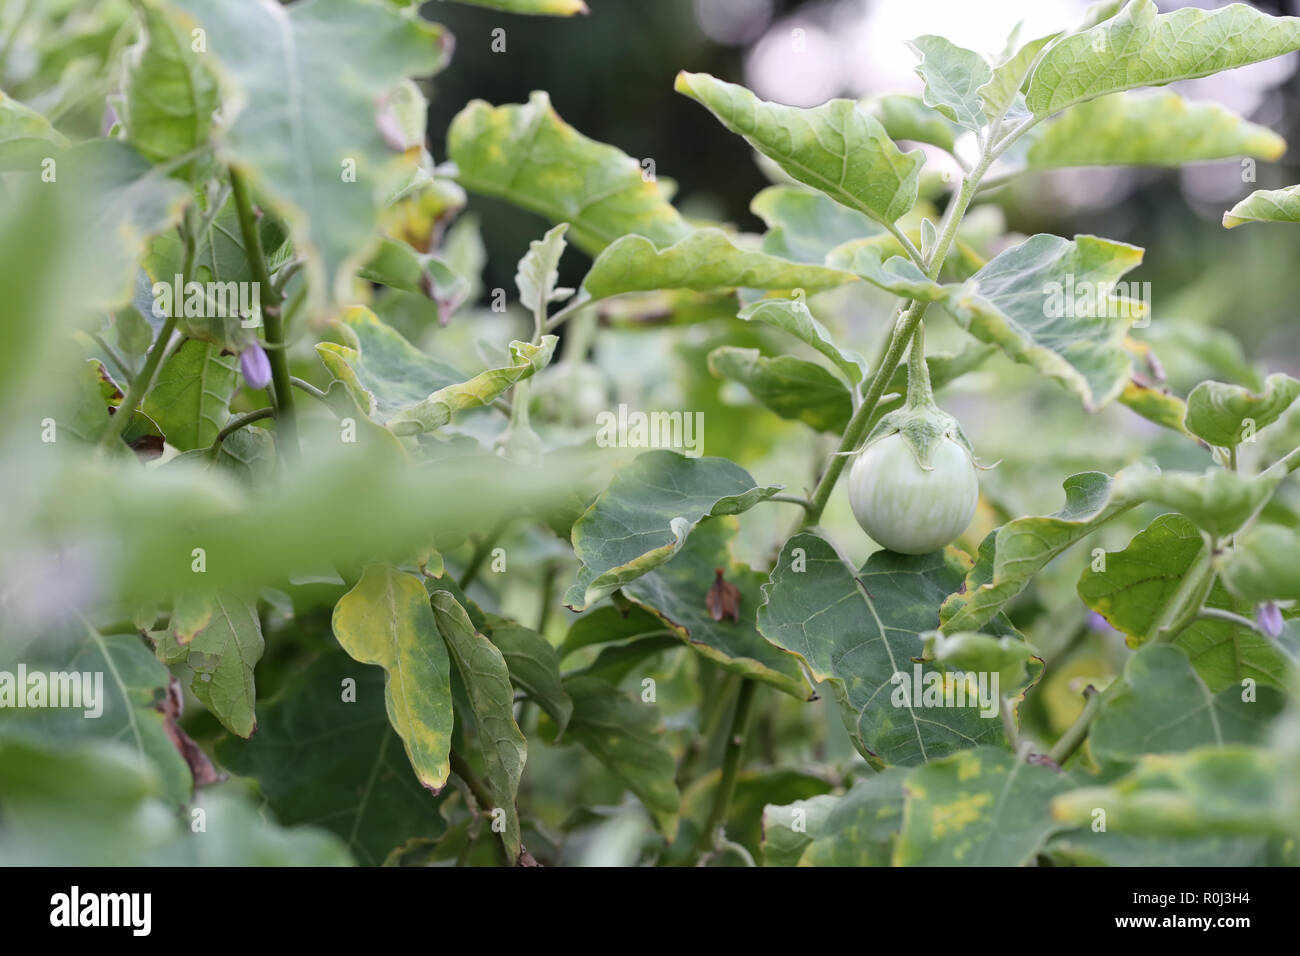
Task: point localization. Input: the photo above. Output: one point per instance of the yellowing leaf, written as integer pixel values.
(386, 620)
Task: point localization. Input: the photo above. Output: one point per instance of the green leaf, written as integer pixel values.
(1162, 129)
(705, 260)
(534, 667)
(223, 647)
(529, 156)
(240, 836)
(859, 828)
(793, 388)
(1227, 791)
(677, 594)
(91, 804)
(754, 790)
(1155, 404)
(1006, 656)
(134, 686)
(190, 398)
(1219, 501)
(1001, 94)
(168, 93)
(386, 620)
(981, 807)
(347, 771)
(642, 519)
(399, 266)
(1262, 565)
(1265, 205)
(440, 407)
(794, 316)
(384, 372)
(803, 225)
(539, 270)
(92, 393)
(953, 78)
(626, 737)
(838, 147)
(1010, 556)
(248, 454)
(1139, 583)
(907, 117)
(220, 259)
(614, 663)
(857, 630)
(609, 623)
(1140, 47)
(123, 202)
(896, 275)
(306, 130)
(1218, 412)
(1160, 705)
(26, 137)
(1086, 847)
(786, 828)
(547, 8)
(492, 699)
(1033, 301)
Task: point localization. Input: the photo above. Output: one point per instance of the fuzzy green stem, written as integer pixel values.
(1189, 598)
(858, 424)
(235, 424)
(906, 325)
(481, 550)
(1077, 732)
(919, 392)
(137, 390)
(1219, 614)
(730, 763)
(286, 431)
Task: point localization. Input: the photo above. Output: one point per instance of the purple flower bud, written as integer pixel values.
(1097, 623)
(255, 366)
(1268, 618)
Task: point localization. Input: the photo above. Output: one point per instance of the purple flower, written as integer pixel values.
(1268, 618)
(255, 366)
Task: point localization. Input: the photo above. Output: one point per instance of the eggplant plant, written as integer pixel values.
(361, 561)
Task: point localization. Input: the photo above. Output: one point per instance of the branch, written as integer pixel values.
(730, 764)
(1077, 732)
(286, 432)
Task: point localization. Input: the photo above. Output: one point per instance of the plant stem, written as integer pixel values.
(857, 427)
(792, 500)
(235, 424)
(137, 390)
(309, 388)
(1219, 614)
(707, 728)
(575, 304)
(1008, 716)
(907, 323)
(1077, 732)
(461, 768)
(730, 763)
(285, 432)
(480, 553)
(1189, 597)
(114, 358)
